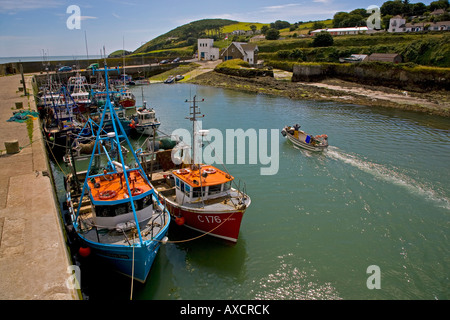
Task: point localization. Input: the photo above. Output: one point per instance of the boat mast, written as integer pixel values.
(194, 111)
(119, 132)
(123, 58)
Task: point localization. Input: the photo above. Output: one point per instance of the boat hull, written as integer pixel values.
(301, 144)
(306, 146)
(108, 126)
(121, 257)
(221, 224)
(146, 129)
(127, 103)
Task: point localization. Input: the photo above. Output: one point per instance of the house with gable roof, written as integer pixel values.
(397, 24)
(241, 50)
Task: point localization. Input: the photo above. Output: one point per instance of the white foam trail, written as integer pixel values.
(389, 175)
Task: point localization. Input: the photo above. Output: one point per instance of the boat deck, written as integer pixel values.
(230, 202)
(91, 232)
(114, 237)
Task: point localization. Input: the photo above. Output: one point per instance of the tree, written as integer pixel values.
(407, 8)
(323, 39)
(318, 25)
(264, 29)
(338, 18)
(385, 21)
(418, 9)
(440, 4)
(253, 28)
(280, 25)
(392, 8)
(272, 34)
(356, 18)
(353, 20)
(361, 12)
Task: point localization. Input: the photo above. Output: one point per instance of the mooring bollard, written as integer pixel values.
(12, 146)
(19, 105)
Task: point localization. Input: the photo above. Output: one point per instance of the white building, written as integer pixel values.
(206, 50)
(397, 24)
(342, 31)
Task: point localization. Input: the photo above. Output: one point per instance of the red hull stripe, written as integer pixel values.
(225, 225)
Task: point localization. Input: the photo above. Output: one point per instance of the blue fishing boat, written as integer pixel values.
(116, 214)
(60, 120)
(107, 125)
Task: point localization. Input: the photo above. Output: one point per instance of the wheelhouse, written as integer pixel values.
(202, 183)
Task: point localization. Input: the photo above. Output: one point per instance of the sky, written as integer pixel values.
(29, 27)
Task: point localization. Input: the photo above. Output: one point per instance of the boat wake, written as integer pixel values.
(390, 175)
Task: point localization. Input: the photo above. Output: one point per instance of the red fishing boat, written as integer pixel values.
(203, 197)
(127, 99)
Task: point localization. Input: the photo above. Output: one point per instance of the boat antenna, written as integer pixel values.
(104, 54)
(123, 60)
(85, 41)
(194, 111)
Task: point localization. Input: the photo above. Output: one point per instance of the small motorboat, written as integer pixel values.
(144, 121)
(170, 79)
(303, 140)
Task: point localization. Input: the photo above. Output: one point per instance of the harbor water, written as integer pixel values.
(378, 199)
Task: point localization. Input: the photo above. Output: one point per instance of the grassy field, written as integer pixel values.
(243, 26)
(174, 52)
(432, 49)
(182, 69)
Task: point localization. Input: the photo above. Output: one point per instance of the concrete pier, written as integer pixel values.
(34, 260)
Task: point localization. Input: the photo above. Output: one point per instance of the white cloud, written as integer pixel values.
(15, 6)
(82, 18)
(278, 8)
(116, 15)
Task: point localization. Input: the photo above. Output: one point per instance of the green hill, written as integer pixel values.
(182, 40)
(185, 35)
(119, 53)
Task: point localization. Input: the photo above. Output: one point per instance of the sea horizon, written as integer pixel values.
(46, 58)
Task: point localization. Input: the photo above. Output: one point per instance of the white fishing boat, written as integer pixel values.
(145, 122)
(304, 140)
(79, 90)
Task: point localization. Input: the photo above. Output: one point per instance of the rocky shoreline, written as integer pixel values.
(435, 103)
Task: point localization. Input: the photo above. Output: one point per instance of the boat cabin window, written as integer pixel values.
(227, 186)
(119, 209)
(197, 192)
(112, 211)
(187, 190)
(215, 189)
